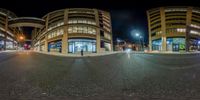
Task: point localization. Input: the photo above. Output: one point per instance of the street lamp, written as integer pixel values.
(137, 34)
(139, 37)
(21, 38)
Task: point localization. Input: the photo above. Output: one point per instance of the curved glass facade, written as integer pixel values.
(178, 28)
(76, 29)
(7, 36)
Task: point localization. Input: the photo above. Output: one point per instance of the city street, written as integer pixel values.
(121, 76)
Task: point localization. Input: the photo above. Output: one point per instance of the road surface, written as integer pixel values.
(122, 76)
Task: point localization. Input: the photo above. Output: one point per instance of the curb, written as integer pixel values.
(75, 55)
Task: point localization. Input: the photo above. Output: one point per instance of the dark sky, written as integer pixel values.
(127, 15)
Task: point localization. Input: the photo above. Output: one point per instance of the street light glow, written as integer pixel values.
(137, 34)
(21, 37)
(198, 42)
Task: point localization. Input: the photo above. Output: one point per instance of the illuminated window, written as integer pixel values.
(84, 29)
(175, 9)
(106, 28)
(54, 25)
(159, 32)
(9, 38)
(74, 29)
(80, 21)
(84, 21)
(194, 32)
(89, 22)
(81, 29)
(2, 35)
(107, 36)
(196, 11)
(70, 21)
(55, 33)
(74, 21)
(181, 30)
(69, 29)
(195, 26)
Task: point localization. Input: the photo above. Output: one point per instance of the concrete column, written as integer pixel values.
(149, 28)
(163, 29)
(4, 43)
(46, 44)
(188, 23)
(111, 35)
(111, 41)
(65, 35)
(164, 43)
(47, 23)
(65, 42)
(6, 29)
(98, 37)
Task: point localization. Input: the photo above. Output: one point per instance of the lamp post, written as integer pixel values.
(138, 36)
(21, 39)
(141, 37)
(118, 41)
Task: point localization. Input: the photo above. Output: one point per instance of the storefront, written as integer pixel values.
(175, 44)
(156, 45)
(55, 46)
(76, 45)
(194, 45)
(1, 45)
(9, 45)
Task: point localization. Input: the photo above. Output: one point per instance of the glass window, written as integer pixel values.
(80, 29)
(70, 21)
(55, 33)
(94, 23)
(87, 45)
(80, 21)
(74, 29)
(89, 22)
(74, 21)
(93, 31)
(2, 35)
(84, 21)
(89, 30)
(107, 36)
(84, 29)
(69, 29)
(156, 44)
(9, 45)
(55, 46)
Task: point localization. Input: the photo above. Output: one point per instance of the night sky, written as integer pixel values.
(128, 16)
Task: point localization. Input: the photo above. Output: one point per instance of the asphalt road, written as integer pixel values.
(122, 76)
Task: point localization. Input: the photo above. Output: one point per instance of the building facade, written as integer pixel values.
(8, 40)
(174, 29)
(74, 29)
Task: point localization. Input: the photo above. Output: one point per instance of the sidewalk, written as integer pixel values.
(8, 51)
(77, 54)
(159, 52)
